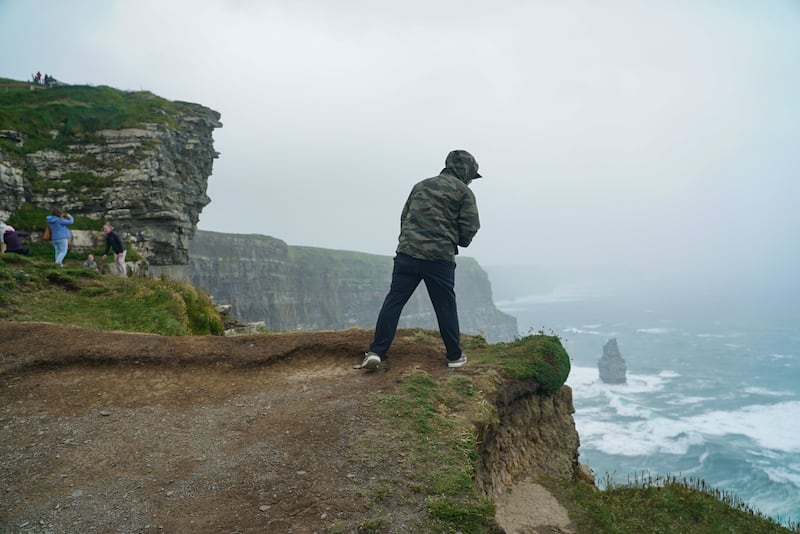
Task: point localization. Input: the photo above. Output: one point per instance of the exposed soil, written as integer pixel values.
(119, 432)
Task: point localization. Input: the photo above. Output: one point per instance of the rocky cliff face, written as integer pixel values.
(534, 437)
(149, 181)
(302, 288)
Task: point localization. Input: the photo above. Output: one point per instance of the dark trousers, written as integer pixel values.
(439, 277)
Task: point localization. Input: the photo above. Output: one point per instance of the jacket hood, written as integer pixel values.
(462, 165)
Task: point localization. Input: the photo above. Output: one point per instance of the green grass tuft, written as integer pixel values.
(539, 357)
(666, 504)
(63, 115)
(32, 218)
(35, 289)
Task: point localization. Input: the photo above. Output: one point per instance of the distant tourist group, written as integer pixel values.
(58, 229)
(57, 232)
(45, 80)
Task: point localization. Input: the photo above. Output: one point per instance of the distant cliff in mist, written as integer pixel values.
(304, 288)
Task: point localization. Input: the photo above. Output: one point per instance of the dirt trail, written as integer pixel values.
(113, 432)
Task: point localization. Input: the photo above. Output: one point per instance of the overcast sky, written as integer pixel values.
(617, 138)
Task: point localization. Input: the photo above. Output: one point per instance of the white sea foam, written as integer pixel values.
(586, 384)
(765, 453)
(626, 407)
(784, 475)
(782, 356)
(638, 438)
(726, 335)
(753, 390)
(582, 376)
(668, 374)
(684, 401)
(772, 426)
(656, 330)
(768, 426)
(573, 330)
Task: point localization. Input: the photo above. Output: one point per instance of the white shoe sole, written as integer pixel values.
(457, 363)
(370, 363)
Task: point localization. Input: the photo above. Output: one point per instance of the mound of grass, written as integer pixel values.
(538, 356)
(665, 504)
(33, 289)
(59, 116)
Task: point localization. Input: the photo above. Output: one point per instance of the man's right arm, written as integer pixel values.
(468, 220)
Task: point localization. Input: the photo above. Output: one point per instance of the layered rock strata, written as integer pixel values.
(150, 182)
(535, 436)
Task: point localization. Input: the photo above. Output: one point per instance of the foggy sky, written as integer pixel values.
(620, 139)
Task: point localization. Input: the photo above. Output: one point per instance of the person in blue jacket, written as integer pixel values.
(59, 233)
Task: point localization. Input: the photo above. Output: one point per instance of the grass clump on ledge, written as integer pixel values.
(35, 289)
(538, 356)
(662, 503)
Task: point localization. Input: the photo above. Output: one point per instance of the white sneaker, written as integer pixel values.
(371, 361)
(459, 362)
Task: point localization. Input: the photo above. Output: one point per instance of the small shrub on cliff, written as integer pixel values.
(201, 316)
(540, 357)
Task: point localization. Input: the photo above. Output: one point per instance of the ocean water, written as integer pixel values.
(713, 388)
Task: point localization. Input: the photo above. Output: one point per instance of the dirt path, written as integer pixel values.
(110, 432)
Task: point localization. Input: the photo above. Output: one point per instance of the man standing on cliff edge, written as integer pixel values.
(439, 216)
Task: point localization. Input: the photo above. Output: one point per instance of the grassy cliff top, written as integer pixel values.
(60, 115)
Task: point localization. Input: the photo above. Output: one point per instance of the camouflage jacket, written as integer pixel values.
(441, 214)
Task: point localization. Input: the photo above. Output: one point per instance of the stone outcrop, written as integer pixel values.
(304, 288)
(611, 365)
(149, 181)
(12, 189)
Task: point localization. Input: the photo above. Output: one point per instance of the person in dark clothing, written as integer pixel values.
(12, 239)
(439, 216)
(114, 242)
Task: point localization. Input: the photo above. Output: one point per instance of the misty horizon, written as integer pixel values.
(623, 142)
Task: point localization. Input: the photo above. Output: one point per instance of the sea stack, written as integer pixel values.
(611, 365)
